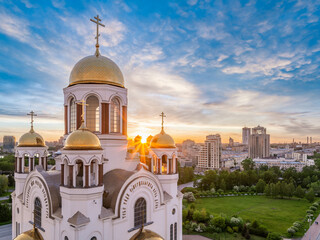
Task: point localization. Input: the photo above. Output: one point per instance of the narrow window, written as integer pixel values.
(73, 115)
(175, 231)
(164, 164)
(37, 212)
(115, 116)
(171, 232)
(93, 114)
(140, 212)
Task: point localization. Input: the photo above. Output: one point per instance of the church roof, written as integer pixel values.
(113, 181)
(32, 234)
(53, 181)
(146, 234)
(78, 219)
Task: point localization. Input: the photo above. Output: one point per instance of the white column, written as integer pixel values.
(152, 159)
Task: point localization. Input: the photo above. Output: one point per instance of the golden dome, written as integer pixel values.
(96, 69)
(162, 140)
(32, 234)
(31, 139)
(82, 139)
(145, 234)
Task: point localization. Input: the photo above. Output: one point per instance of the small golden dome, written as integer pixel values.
(82, 139)
(31, 139)
(145, 234)
(96, 69)
(32, 234)
(162, 140)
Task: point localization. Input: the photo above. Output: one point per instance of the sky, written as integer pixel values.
(211, 66)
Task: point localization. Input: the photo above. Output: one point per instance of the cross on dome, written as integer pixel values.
(82, 103)
(32, 114)
(98, 20)
(162, 115)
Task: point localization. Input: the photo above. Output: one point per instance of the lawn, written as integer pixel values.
(276, 214)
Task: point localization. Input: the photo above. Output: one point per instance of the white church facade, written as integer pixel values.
(96, 190)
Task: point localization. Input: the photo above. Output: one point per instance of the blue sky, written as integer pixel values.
(211, 66)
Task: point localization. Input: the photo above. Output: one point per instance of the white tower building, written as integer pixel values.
(95, 190)
(210, 153)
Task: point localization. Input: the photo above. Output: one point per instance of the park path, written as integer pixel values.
(194, 237)
(313, 232)
(182, 186)
(5, 232)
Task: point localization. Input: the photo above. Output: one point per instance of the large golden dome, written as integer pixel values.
(82, 139)
(162, 140)
(32, 234)
(31, 139)
(145, 234)
(96, 69)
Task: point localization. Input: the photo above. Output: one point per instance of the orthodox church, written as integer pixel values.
(98, 189)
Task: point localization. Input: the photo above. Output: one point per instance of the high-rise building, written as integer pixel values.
(246, 135)
(8, 143)
(231, 142)
(210, 153)
(259, 143)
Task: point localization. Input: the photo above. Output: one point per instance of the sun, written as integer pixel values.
(144, 137)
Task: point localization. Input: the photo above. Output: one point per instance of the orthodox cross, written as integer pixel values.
(32, 114)
(98, 20)
(82, 103)
(162, 117)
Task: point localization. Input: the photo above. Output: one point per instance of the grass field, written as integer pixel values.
(276, 214)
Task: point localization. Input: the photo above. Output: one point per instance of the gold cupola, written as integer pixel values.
(33, 234)
(162, 140)
(82, 139)
(96, 68)
(146, 234)
(31, 138)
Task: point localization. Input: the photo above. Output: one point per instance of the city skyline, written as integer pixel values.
(215, 68)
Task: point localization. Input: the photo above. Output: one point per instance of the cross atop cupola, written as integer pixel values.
(32, 114)
(97, 21)
(162, 115)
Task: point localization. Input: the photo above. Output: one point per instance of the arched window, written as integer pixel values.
(175, 231)
(115, 116)
(93, 238)
(171, 232)
(73, 115)
(164, 164)
(26, 159)
(140, 212)
(93, 114)
(37, 212)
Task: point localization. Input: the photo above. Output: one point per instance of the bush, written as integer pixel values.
(229, 229)
(5, 212)
(219, 222)
(235, 229)
(259, 231)
(310, 195)
(291, 231)
(313, 208)
(236, 221)
(189, 189)
(309, 211)
(189, 196)
(200, 216)
(274, 236)
(315, 204)
(297, 224)
(200, 228)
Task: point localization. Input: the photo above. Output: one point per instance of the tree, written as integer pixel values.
(5, 212)
(260, 186)
(290, 190)
(299, 193)
(267, 190)
(310, 195)
(274, 236)
(3, 184)
(317, 163)
(248, 164)
(223, 185)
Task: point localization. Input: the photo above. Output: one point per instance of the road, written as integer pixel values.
(5, 232)
(313, 232)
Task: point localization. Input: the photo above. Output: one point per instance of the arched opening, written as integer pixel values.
(36, 159)
(37, 212)
(115, 116)
(79, 173)
(94, 173)
(26, 167)
(73, 115)
(175, 231)
(93, 114)
(164, 167)
(140, 212)
(171, 232)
